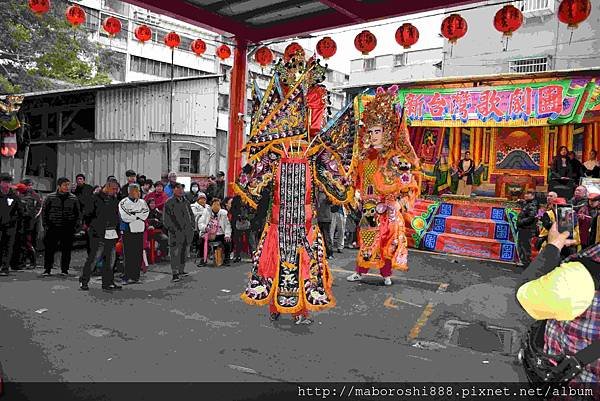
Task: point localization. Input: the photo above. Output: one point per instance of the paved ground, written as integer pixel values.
(200, 330)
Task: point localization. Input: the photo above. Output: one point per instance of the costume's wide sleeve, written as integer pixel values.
(334, 156)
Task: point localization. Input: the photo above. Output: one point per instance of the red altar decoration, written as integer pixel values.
(513, 186)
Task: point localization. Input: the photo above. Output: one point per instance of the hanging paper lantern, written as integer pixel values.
(39, 6)
(264, 56)
(75, 15)
(508, 19)
(111, 25)
(223, 52)
(574, 12)
(326, 47)
(407, 35)
(9, 144)
(365, 42)
(143, 33)
(172, 40)
(291, 50)
(198, 47)
(454, 27)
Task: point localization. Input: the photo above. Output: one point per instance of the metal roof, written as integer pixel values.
(595, 71)
(133, 84)
(261, 20)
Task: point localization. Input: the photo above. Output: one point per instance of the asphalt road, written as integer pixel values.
(200, 330)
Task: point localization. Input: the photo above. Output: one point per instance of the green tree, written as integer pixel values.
(39, 52)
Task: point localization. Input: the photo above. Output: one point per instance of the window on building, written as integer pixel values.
(400, 60)
(158, 36)
(535, 8)
(526, 65)
(185, 44)
(225, 69)
(117, 6)
(223, 102)
(92, 19)
(160, 69)
(42, 161)
(369, 64)
(189, 161)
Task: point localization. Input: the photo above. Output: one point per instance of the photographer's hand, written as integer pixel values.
(559, 240)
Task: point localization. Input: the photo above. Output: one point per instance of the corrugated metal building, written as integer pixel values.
(106, 130)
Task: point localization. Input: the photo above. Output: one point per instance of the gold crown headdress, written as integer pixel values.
(381, 111)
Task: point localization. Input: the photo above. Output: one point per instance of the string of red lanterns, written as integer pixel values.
(506, 20)
(143, 33)
(326, 47)
(198, 46)
(365, 42)
(223, 52)
(291, 50)
(264, 56)
(172, 40)
(407, 35)
(39, 6)
(111, 25)
(75, 15)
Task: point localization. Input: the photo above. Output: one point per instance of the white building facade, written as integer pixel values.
(541, 44)
(152, 61)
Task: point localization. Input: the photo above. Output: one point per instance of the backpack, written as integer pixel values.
(29, 206)
(213, 227)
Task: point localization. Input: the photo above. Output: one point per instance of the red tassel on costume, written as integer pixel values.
(269, 257)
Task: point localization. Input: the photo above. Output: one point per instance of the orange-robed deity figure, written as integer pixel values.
(387, 186)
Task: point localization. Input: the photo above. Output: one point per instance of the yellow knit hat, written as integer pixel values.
(563, 294)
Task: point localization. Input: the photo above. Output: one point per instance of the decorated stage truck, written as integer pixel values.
(512, 126)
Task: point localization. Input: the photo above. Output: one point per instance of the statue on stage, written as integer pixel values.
(291, 154)
(386, 184)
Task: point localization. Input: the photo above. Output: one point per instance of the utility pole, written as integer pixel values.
(170, 138)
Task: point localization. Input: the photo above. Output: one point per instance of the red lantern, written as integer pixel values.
(198, 47)
(172, 40)
(508, 19)
(223, 52)
(365, 42)
(574, 12)
(111, 25)
(326, 47)
(9, 144)
(75, 15)
(291, 50)
(143, 33)
(407, 35)
(454, 27)
(264, 56)
(39, 6)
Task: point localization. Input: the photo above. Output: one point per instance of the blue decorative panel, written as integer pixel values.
(508, 252)
(439, 224)
(501, 232)
(430, 241)
(445, 209)
(498, 213)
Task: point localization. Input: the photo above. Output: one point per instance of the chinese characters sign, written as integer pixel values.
(553, 102)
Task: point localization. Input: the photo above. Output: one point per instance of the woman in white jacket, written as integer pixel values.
(134, 212)
(214, 226)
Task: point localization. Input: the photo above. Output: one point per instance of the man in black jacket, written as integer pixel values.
(61, 217)
(526, 225)
(10, 214)
(178, 220)
(103, 220)
(131, 179)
